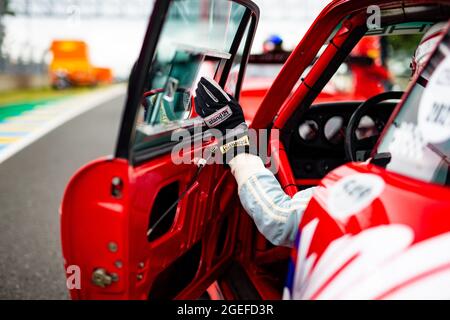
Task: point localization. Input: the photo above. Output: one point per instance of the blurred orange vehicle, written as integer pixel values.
(70, 66)
(103, 75)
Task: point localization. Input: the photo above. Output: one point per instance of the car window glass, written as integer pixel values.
(417, 143)
(380, 62)
(231, 84)
(195, 41)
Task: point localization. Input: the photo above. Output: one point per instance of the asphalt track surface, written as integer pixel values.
(31, 186)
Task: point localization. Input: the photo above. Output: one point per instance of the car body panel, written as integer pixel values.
(397, 223)
(103, 229)
(93, 223)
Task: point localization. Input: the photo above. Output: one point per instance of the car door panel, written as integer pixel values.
(192, 225)
(106, 231)
(94, 228)
(110, 204)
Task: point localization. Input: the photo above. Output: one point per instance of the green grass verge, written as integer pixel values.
(17, 109)
(24, 96)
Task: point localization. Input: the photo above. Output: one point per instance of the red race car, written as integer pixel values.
(143, 225)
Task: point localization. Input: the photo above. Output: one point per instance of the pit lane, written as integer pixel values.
(32, 182)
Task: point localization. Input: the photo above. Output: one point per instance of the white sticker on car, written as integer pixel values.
(434, 109)
(408, 143)
(381, 262)
(352, 194)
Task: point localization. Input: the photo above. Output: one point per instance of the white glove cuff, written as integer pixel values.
(245, 165)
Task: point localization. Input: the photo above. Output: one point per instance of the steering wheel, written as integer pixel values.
(150, 93)
(358, 150)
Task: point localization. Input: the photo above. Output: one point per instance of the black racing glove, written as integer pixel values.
(221, 111)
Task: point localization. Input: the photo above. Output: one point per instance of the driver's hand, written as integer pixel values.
(221, 111)
(218, 109)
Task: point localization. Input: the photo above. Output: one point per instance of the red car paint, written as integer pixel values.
(104, 220)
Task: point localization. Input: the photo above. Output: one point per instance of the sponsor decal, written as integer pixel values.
(434, 109)
(218, 117)
(408, 143)
(353, 193)
(234, 144)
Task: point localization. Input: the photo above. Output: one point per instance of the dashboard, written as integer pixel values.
(317, 145)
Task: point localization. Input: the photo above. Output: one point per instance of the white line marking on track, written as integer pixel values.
(72, 107)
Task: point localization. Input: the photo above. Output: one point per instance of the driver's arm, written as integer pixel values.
(276, 215)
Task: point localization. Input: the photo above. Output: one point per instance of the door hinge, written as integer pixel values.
(116, 187)
(101, 278)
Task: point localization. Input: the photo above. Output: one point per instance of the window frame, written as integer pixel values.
(139, 74)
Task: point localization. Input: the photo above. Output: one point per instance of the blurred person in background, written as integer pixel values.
(273, 44)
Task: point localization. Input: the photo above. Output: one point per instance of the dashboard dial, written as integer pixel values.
(334, 130)
(308, 130)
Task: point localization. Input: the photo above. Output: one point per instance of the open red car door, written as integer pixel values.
(111, 204)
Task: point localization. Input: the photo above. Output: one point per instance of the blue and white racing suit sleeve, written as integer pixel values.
(276, 215)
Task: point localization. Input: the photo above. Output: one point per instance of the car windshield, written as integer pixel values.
(417, 143)
(380, 62)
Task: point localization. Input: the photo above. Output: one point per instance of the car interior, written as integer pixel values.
(328, 134)
(319, 144)
(323, 134)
